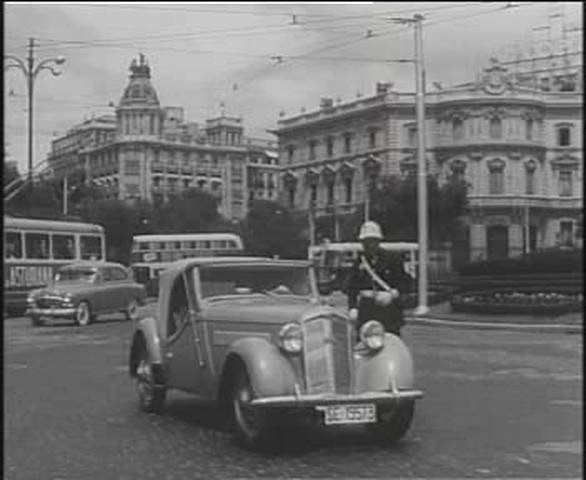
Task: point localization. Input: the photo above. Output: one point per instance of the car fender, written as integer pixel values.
(391, 367)
(270, 372)
(146, 334)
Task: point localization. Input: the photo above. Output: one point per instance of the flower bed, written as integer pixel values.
(522, 302)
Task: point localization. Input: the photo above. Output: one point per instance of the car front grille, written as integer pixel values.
(327, 355)
(48, 302)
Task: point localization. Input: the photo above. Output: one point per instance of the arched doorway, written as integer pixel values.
(497, 242)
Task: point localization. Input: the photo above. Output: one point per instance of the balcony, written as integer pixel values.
(157, 167)
(171, 168)
(186, 169)
(215, 171)
(517, 201)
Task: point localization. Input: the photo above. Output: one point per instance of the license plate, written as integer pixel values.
(345, 414)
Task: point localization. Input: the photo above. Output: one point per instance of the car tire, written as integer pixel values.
(392, 430)
(151, 397)
(131, 309)
(36, 321)
(83, 314)
(251, 427)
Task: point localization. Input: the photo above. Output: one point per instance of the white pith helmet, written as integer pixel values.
(370, 230)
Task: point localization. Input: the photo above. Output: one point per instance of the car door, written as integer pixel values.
(183, 344)
(121, 291)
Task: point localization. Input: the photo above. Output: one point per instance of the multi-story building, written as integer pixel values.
(150, 152)
(516, 139)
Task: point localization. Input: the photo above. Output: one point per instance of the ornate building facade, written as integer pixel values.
(515, 140)
(150, 152)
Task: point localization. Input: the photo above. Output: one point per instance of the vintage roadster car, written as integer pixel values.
(83, 290)
(253, 335)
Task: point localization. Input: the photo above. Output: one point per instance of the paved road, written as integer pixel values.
(497, 404)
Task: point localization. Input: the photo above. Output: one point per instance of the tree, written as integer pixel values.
(193, 211)
(394, 207)
(270, 229)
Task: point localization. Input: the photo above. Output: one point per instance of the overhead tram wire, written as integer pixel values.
(51, 43)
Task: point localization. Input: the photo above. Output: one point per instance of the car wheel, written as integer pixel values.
(151, 397)
(36, 321)
(390, 431)
(83, 314)
(250, 424)
(131, 309)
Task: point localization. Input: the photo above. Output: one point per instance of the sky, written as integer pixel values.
(258, 59)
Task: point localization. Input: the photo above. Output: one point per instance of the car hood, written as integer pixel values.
(60, 289)
(263, 310)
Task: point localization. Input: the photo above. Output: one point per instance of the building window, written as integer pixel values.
(458, 169)
(530, 181)
(372, 133)
(529, 129)
(496, 180)
(330, 146)
(496, 128)
(348, 188)
(348, 143)
(566, 233)
(330, 190)
(412, 135)
(457, 129)
(565, 183)
(563, 136)
(313, 195)
(291, 192)
(312, 145)
(290, 153)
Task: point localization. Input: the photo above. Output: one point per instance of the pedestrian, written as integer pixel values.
(376, 281)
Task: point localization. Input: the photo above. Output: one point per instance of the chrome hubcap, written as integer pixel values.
(144, 382)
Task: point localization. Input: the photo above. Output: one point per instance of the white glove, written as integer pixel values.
(353, 314)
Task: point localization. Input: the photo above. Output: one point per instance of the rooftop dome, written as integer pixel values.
(139, 91)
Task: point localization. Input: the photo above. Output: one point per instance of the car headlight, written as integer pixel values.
(372, 335)
(291, 338)
(30, 298)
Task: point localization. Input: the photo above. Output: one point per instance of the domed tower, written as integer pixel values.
(139, 111)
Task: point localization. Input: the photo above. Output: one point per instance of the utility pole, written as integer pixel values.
(416, 21)
(65, 194)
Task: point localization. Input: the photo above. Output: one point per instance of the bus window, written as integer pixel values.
(91, 247)
(207, 244)
(177, 246)
(63, 247)
(143, 246)
(12, 245)
(37, 245)
(161, 245)
(192, 245)
(170, 246)
(231, 245)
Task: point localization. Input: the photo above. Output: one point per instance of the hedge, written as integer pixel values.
(544, 261)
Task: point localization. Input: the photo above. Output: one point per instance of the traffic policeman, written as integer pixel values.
(376, 282)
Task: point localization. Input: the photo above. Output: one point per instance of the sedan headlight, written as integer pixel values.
(30, 298)
(291, 338)
(372, 335)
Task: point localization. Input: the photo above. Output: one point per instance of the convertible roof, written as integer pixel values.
(206, 261)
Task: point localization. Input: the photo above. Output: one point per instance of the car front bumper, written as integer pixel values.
(51, 312)
(394, 397)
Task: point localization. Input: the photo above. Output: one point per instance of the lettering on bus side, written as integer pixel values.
(28, 275)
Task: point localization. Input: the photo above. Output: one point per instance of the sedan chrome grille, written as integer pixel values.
(327, 355)
(48, 302)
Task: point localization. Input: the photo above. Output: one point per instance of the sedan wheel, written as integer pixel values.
(250, 423)
(36, 321)
(83, 314)
(151, 397)
(131, 311)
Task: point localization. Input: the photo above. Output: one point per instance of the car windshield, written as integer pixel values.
(70, 274)
(268, 280)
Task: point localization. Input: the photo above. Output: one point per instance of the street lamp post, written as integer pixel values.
(30, 71)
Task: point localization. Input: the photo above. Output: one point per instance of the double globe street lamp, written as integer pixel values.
(30, 71)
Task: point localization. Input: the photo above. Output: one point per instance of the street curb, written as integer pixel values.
(519, 327)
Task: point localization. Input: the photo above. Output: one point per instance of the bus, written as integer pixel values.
(34, 249)
(332, 261)
(153, 253)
